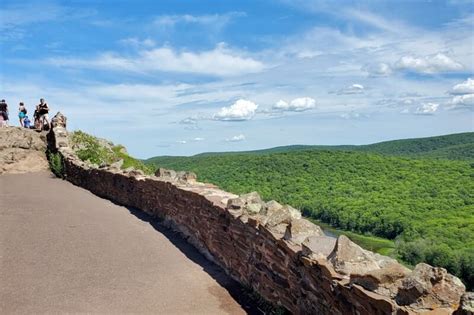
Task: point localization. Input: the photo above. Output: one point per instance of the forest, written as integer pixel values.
(414, 192)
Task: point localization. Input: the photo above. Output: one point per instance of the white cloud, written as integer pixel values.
(378, 70)
(429, 64)
(237, 138)
(138, 43)
(352, 89)
(426, 109)
(466, 87)
(181, 141)
(188, 121)
(198, 139)
(240, 110)
(297, 105)
(214, 20)
(221, 61)
(463, 100)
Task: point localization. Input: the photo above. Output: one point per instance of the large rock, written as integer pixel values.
(59, 120)
(318, 245)
(22, 150)
(466, 306)
(283, 215)
(186, 176)
(300, 229)
(430, 288)
(165, 173)
(348, 257)
(251, 203)
(271, 207)
(384, 281)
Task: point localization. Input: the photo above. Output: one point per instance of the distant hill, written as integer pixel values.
(458, 146)
(417, 191)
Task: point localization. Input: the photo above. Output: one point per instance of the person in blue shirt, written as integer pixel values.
(26, 122)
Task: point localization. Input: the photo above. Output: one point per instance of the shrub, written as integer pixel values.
(56, 164)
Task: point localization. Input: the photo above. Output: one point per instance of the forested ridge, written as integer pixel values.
(426, 205)
(458, 146)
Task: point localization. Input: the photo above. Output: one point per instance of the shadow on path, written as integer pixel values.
(244, 296)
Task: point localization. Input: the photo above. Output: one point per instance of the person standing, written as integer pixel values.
(22, 113)
(4, 113)
(42, 110)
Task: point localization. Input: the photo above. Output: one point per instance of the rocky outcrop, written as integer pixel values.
(467, 304)
(172, 175)
(270, 247)
(428, 287)
(22, 150)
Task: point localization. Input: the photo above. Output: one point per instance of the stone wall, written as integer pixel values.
(268, 246)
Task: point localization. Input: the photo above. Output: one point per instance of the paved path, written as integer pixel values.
(65, 250)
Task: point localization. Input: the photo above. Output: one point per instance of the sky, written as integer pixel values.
(180, 77)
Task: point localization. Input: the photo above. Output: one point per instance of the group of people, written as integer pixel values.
(41, 119)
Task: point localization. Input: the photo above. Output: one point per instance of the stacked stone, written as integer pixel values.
(271, 248)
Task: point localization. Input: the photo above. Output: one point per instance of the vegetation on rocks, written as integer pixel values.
(102, 152)
(56, 164)
(425, 205)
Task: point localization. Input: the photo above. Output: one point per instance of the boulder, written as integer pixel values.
(165, 173)
(235, 203)
(283, 215)
(186, 176)
(254, 208)
(466, 306)
(271, 207)
(252, 203)
(59, 120)
(384, 281)
(348, 257)
(300, 229)
(252, 197)
(319, 245)
(429, 288)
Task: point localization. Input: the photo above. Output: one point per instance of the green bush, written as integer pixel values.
(89, 149)
(56, 164)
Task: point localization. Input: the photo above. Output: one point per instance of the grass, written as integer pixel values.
(89, 148)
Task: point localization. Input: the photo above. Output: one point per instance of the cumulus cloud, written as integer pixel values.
(237, 138)
(378, 70)
(463, 94)
(352, 89)
(198, 139)
(297, 105)
(181, 141)
(426, 109)
(429, 64)
(240, 110)
(220, 61)
(463, 100)
(466, 87)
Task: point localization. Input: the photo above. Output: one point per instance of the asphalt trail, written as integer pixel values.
(65, 250)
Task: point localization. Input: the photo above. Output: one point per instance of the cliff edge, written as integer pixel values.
(22, 150)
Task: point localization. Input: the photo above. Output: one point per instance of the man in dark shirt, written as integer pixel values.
(4, 111)
(42, 111)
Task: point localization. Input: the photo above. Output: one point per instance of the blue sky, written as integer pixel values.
(184, 77)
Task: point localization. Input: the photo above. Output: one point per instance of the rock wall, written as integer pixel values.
(22, 150)
(268, 246)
